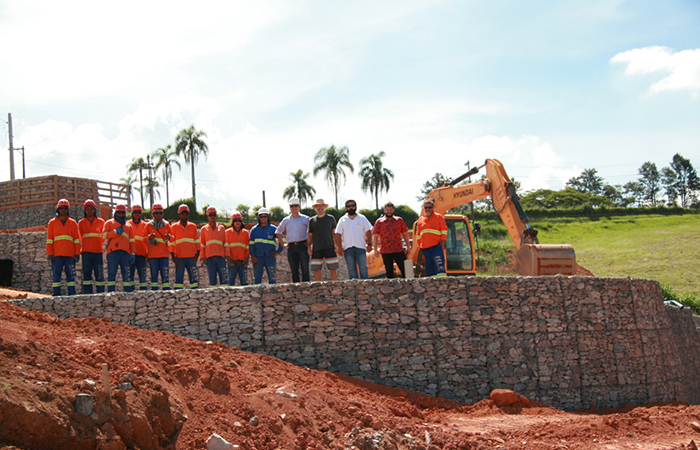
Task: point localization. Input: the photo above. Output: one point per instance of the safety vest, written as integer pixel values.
(214, 242)
(138, 237)
(91, 234)
(162, 247)
(432, 231)
(238, 244)
(184, 241)
(116, 241)
(62, 239)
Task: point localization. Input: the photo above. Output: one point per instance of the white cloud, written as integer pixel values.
(683, 67)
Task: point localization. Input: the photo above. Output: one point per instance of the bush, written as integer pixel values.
(170, 213)
(690, 300)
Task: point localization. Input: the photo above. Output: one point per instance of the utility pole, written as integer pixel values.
(12, 147)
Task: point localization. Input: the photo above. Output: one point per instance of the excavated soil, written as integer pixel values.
(171, 392)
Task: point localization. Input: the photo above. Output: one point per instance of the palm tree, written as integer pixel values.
(151, 185)
(138, 165)
(299, 188)
(331, 161)
(190, 144)
(165, 157)
(129, 182)
(375, 178)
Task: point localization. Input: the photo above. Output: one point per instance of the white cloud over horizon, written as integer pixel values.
(683, 68)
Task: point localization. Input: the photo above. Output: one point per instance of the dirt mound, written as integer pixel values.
(173, 392)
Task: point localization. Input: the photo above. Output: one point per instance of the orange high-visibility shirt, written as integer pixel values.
(431, 232)
(116, 241)
(213, 241)
(162, 236)
(62, 239)
(91, 234)
(184, 241)
(138, 237)
(238, 244)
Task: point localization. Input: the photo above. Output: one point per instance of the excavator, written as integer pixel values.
(531, 257)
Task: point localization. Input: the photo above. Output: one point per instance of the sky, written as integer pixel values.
(548, 87)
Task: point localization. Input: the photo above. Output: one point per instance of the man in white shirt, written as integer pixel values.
(353, 236)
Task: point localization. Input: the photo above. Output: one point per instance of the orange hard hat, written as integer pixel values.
(236, 215)
(157, 207)
(211, 209)
(183, 208)
(136, 208)
(89, 202)
(120, 208)
(62, 202)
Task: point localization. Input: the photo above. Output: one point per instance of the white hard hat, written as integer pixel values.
(263, 210)
(294, 201)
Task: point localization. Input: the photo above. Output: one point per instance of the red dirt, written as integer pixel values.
(185, 390)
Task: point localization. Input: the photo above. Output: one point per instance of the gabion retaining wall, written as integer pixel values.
(571, 342)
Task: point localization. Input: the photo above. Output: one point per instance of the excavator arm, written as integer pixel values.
(532, 258)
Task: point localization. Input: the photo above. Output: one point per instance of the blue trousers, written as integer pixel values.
(159, 266)
(216, 267)
(434, 261)
(355, 258)
(118, 259)
(140, 266)
(268, 263)
(93, 264)
(59, 265)
(182, 265)
(240, 272)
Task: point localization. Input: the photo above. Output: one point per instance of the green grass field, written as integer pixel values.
(663, 248)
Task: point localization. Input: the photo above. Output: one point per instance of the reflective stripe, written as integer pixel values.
(49, 241)
(70, 284)
(64, 237)
(87, 282)
(162, 241)
(263, 241)
(238, 244)
(90, 235)
(432, 231)
(139, 238)
(99, 283)
(131, 240)
(111, 283)
(186, 241)
(213, 242)
(57, 284)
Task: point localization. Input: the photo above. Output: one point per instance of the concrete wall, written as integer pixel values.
(32, 270)
(567, 341)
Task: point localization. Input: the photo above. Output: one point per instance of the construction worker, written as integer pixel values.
(238, 239)
(214, 249)
(184, 249)
(91, 240)
(158, 233)
(138, 248)
(262, 247)
(119, 249)
(431, 232)
(63, 247)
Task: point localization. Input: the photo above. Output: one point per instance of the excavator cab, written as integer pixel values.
(459, 248)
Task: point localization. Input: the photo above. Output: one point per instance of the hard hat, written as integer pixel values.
(157, 207)
(120, 208)
(211, 209)
(62, 202)
(236, 215)
(136, 208)
(183, 208)
(89, 202)
(294, 201)
(263, 210)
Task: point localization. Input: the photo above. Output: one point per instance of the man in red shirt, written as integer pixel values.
(390, 229)
(431, 232)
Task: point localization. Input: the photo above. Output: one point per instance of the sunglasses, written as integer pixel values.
(351, 206)
(427, 207)
(293, 206)
(263, 217)
(157, 212)
(237, 220)
(211, 215)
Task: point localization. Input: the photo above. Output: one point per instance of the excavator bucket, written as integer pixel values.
(545, 259)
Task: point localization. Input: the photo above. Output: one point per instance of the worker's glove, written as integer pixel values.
(119, 230)
(51, 259)
(77, 259)
(132, 259)
(152, 241)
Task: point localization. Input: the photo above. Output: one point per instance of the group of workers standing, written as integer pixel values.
(311, 242)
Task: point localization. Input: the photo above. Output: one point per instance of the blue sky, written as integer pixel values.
(549, 87)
